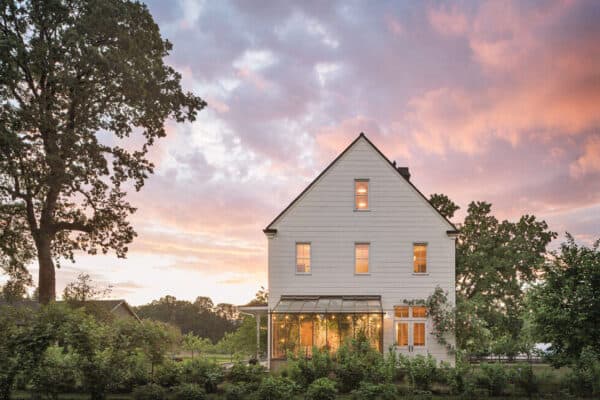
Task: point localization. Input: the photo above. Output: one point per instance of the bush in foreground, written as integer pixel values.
(276, 388)
(375, 391)
(321, 389)
(149, 392)
(189, 391)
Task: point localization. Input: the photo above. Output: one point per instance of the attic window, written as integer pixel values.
(361, 194)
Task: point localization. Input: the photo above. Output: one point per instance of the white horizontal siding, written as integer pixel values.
(398, 217)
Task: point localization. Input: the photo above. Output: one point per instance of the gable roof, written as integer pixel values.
(270, 229)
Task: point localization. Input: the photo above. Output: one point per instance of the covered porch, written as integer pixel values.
(299, 323)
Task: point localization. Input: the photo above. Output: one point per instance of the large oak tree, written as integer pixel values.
(84, 92)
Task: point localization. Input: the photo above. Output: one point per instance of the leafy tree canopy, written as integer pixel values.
(77, 78)
(566, 304)
(444, 205)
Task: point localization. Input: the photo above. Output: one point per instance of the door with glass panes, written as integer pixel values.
(411, 329)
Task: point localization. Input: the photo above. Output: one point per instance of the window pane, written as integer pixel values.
(401, 312)
(306, 334)
(402, 339)
(419, 334)
(419, 312)
(302, 257)
(361, 254)
(420, 258)
(361, 195)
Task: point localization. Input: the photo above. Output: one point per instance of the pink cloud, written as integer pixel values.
(448, 20)
(589, 161)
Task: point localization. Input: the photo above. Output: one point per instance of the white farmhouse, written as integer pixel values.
(347, 252)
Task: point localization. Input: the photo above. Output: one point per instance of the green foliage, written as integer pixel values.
(189, 391)
(55, 374)
(68, 70)
(149, 392)
(421, 371)
(251, 374)
(566, 305)
(455, 377)
(357, 361)
(443, 204)
(237, 391)
(304, 370)
(525, 379)
(493, 377)
(584, 379)
(495, 260)
(203, 372)
(198, 319)
(10, 348)
(83, 289)
(195, 344)
(168, 374)
(321, 389)
(276, 388)
(375, 391)
(243, 340)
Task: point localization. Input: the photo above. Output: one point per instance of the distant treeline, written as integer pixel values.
(201, 317)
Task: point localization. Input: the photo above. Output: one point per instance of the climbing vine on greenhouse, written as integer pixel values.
(442, 315)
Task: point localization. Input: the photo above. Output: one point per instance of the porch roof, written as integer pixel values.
(329, 305)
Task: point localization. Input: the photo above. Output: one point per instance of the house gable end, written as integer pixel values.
(271, 230)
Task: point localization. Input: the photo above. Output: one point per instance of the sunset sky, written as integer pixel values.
(495, 101)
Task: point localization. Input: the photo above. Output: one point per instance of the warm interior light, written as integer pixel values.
(362, 190)
(362, 205)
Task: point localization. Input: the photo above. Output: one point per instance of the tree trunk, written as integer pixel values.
(47, 278)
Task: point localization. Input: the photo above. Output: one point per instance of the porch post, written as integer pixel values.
(257, 336)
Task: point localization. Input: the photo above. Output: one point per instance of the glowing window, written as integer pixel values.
(401, 311)
(306, 332)
(419, 334)
(361, 194)
(402, 334)
(419, 312)
(420, 258)
(361, 258)
(302, 258)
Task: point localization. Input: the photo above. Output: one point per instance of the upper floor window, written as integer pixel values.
(420, 258)
(302, 258)
(361, 258)
(361, 194)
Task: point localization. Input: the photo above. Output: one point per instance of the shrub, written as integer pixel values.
(236, 391)
(492, 377)
(202, 372)
(276, 388)
(55, 373)
(457, 377)
(189, 391)
(420, 370)
(168, 374)
(321, 389)
(304, 370)
(242, 372)
(357, 361)
(137, 373)
(584, 379)
(375, 391)
(149, 392)
(525, 379)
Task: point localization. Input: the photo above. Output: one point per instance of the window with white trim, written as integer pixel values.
(302, 258)
(420, 258)
(361, 194)
(361, 258)
(410, 322)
